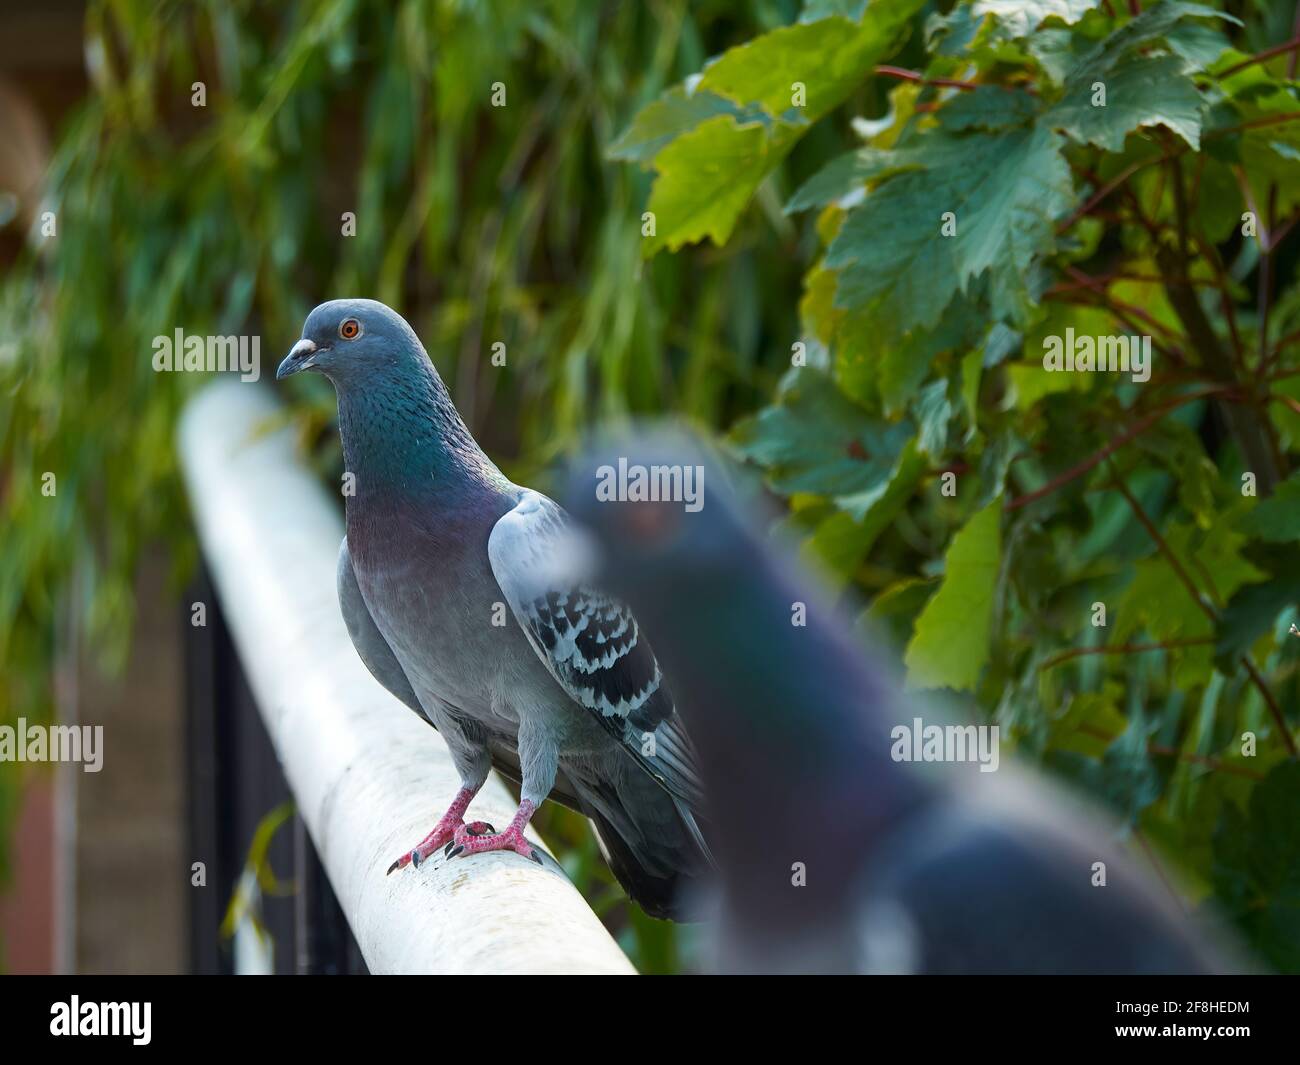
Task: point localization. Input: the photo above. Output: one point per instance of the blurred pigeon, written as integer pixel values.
(833, 856)
(566, 697)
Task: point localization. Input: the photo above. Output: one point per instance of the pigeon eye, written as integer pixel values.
(349, 329)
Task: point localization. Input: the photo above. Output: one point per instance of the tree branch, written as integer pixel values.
(1264, 56)
(1098, 287)
(1193, 759)
(1080, 468)
(1124, 649)
(1251, 431)
(916, 75)
(1209, 611)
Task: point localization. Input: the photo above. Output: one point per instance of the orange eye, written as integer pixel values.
(349, 329)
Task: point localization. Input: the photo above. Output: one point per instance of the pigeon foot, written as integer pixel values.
(465, 841)
(446, 830)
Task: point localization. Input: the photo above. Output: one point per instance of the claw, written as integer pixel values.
(471, 839)
(443, 832)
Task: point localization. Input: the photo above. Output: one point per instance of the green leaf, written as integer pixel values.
(1150, 26)
(1032, 382)
(1180, 451)
(1286, 419)
(933, 413)
(815, 440)
(988, 107)
(999, 343)
(893, 372)
(955, 33)
(1276, 519)
(706, 178)
(1269, 153)
(1129, 780)
(1090, 722)
(847, 173)
(951, 643)
(1139, 91)
(1019, 18)
(1057, 52)
(837, 544)
(1005, 196)
(672, 114)
(1159, 601)
(1199, 45)
(1253, 613)
(879, 505)
(894, 610)
(1219, 205)
(1256, 870)
(1142, 89)
(819, 9)
(817, 311)
(1031, 379)
(843, 539)
(710, 164)
(828, 57)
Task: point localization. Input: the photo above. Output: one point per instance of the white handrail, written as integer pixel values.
(369, 777)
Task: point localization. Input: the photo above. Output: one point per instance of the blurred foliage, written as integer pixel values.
(479, 223)
(258, 879)
(1076, 556)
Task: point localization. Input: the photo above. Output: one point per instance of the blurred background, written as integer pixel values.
(479, 223)
(194, 166)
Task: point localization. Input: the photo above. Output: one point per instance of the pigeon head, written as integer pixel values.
(690, 563)
(353, 340)
(662, 503)
(399, 428)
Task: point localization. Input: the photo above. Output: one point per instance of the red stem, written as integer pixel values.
(1267, 53)
(1080, 468)
(915, 75)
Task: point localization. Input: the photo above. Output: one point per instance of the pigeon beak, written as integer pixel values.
(299, 358)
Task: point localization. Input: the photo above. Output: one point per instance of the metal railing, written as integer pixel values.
(368, 776)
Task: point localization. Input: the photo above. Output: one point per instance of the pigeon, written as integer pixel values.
(833, 855)
(452, 581)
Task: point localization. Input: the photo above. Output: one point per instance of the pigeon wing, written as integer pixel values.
(590, 643)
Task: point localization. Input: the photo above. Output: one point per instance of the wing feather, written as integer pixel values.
(590, 642)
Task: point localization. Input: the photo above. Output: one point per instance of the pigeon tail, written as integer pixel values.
(650, 838)
(666, 894)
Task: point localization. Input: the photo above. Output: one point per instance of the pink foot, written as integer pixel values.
(452, 823)
(466, 841)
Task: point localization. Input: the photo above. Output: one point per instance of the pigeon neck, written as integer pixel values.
(402, 433)
(796, 722)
